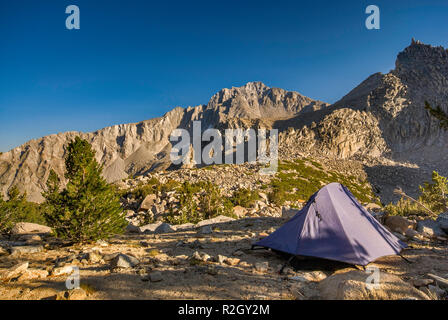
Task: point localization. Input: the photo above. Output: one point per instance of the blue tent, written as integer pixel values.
(333, 225)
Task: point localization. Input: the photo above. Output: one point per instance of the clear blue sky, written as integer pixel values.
(134, 60)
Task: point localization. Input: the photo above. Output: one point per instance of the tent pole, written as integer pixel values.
(286, 263)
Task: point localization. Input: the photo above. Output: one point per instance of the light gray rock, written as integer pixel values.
(131, 228)
(220, 258)
(124, 261)
(148, 202)
(65, 270)
(18, 250)
(94, 257)
(372, 207)
(206, 230)
(442, 220)
(22, 228)
(239, 211)
(353, 285)
(15, 271)
(430, 228)
(422, 282)
(411, 233)
(261, 266)
(399, 224)
(439, 292)
(218, 219)
(159, 227)
(164, 228)
(3, 252)
(155, 276)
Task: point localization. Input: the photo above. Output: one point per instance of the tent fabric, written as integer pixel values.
(333, 225)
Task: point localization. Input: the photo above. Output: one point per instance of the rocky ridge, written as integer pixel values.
(381, 123)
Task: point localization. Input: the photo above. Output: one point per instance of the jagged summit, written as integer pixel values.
(255, 100)
(384, 116)
(420, 57)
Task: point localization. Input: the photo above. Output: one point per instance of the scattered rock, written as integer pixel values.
(94, 257)
(399, 224)
(110, 256)
(442, 220)
(218, 219)
(17, 250)
(124, 261)
(16, 271)
(430, 228)
(373, 207)
(32, 274)
(206, 230)
(155, 276)
(29, 228)
(314, 276)
(439, 292)
(400, 236)
(148, 202)
(131, 228)
(238, 253)
(441, 282)
(65, 270)
(422, 282)
(220, 259)
(379, 216)
(158, 228)
(164, 228)
(232, 261)
(239, 211)
(3, 252)
(352, 285)
(411, 233)
(102, 243)
(211, 270)
(262, 266)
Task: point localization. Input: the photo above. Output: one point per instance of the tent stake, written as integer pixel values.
(405, 259)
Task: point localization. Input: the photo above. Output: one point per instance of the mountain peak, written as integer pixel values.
(417, 56)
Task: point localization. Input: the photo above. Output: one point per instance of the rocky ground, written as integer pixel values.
(210, 260)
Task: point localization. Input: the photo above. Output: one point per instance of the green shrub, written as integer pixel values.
(152, 187)
(244, 197)
(403, 207)
(307, 177)
(213, 204)
(88, 208)
(18, 209)
(433, 196)
(199, 201)
(188, 212)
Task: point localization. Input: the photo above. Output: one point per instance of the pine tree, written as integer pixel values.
(88, 208)
(435, 194)
(439, 114)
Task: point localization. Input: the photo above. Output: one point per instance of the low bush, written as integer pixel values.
(244, 197)
(18, 209)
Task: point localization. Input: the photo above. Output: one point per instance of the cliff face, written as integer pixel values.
(140, 147)
(383, 116)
